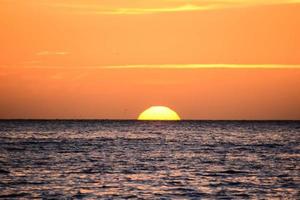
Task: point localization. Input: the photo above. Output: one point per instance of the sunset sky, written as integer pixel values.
(112, 59)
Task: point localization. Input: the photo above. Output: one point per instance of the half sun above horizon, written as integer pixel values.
(159, 113)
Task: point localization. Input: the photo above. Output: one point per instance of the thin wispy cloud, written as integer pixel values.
(129, 7)
(168, 66)
(205, 66)
(52, 53)
(100, 9)
(117, 7)
(135, 11)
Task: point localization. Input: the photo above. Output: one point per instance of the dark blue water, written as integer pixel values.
(149, 160)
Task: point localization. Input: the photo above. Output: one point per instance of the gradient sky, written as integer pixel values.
(112, 59)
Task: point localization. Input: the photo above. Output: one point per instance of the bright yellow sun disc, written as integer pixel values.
(159, 113)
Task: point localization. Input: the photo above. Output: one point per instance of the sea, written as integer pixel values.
(107, 159)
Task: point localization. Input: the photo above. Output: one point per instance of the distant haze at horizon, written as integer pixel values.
(200, 94)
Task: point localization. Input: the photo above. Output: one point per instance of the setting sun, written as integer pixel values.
(159, 113)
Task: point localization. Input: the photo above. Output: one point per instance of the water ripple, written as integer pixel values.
(149, 160)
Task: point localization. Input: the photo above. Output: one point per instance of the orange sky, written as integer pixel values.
(238, 59)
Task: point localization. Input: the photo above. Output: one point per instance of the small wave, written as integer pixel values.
(3, 171)
(14, 195)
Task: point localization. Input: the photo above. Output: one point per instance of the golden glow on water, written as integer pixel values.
(159, 113)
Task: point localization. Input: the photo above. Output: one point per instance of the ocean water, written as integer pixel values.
(149, 160)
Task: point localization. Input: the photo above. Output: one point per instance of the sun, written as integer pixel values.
(159, 113)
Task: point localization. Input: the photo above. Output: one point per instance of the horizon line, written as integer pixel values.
(103, 119)
(162, 66)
